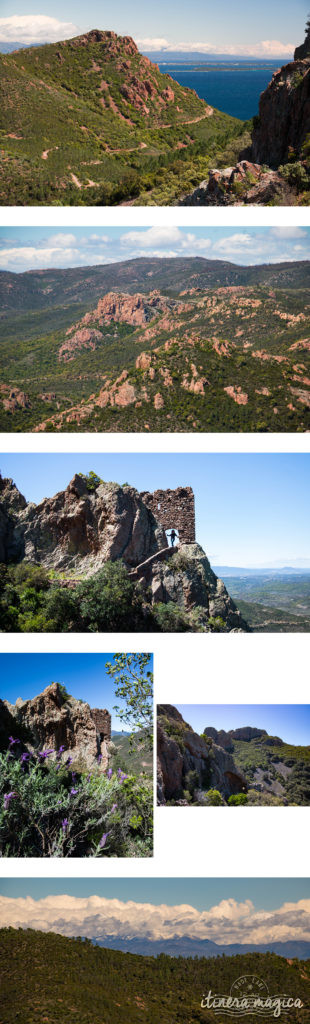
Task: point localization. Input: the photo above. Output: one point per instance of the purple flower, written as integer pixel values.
(25, 757)
(7, 798)
(103, 839)
(64, 824)
(57, 767)
(99, 758)
(119, 772)
(12, 741)
(114, 808)
(69, 760)
(61, 749)
(73, 792)
(110, 773)
(45, 753)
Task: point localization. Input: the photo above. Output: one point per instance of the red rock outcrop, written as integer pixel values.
(181, 750)
(52, 720)
(284, 114)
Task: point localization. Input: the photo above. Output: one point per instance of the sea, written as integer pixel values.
(233, 87)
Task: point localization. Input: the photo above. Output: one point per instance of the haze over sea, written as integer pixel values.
(232, 86)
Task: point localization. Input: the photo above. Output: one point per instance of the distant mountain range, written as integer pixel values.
(191, 56)
(233, 570)
(202, 947)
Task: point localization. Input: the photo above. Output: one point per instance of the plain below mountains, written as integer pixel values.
(175, 344)
(47, 975)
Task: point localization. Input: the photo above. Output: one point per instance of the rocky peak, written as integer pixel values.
(284, 114)
(181, 750)
(113, 44)
(303, 51)
(53, 720)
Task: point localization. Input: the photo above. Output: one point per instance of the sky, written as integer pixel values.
(259, 910)
(32, 248)
(84, 676)
(289, 721)
(251, 510)
(264, 29)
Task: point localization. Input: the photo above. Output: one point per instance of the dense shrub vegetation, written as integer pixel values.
(45, 975)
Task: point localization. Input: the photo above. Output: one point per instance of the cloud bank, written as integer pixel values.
(35, 29)
(99, 918)
(269, 48)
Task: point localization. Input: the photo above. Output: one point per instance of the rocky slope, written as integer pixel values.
(232, 357)
(181, 751)
(90, 120)
(276, 772)
(78, 531)
(275, 169)
(52, 720)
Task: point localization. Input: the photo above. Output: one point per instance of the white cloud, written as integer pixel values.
(290, 232)
(36, 28)
(266, 48)
(157, 238)
(97, 917)
(62, 240)
(36, 257)
(235, 243)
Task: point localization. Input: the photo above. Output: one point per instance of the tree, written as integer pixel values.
(91, 479)
(134, 686)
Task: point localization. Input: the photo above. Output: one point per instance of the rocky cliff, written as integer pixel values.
(226, 739)
(83, 527)
(274, 170)
(181, 751)
(53, 720)
(77, 528)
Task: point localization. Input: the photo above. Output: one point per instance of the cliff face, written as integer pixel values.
(78, 529)
(180, 750)
(50, 721)
(226, 739)
(188, 580)
(284, 114)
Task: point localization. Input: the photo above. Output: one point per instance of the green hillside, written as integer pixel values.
(206, 355)
(90, 121)
(135, 757)
(46, 977)
(275, 768)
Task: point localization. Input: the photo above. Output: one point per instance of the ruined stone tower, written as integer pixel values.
(174, 510)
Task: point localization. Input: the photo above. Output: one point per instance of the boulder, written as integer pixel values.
(52, 720)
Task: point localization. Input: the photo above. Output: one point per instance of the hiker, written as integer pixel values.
(172, 537)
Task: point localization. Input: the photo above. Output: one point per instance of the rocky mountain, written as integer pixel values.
(274, 169)
(276, 772)
(212, 347)
(91, 121)
(49, 289)
(188, 765)
(87, 527)
(54, 720)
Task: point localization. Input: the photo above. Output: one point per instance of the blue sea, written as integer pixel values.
(234, 88)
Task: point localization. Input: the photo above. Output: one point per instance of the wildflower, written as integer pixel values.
(25, 757)
(103, 839)
(12, 741)
(69, 760)
(110, 773)
(43, 754)
(64, 824)
(99, 758)
(119, 772)
(61, 749)
(114, 808)
(73, 792)
(7, 798)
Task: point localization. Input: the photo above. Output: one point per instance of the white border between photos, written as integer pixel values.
(275, 668)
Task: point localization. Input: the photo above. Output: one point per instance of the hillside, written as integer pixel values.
(191, 767)
(132, 757)
(276, 772)
(48, 976)
(90, 121)
(157, 344)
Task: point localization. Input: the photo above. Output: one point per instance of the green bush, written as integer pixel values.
(214, 798)
(237, 800)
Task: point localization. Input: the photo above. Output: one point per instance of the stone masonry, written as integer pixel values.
(174, 510)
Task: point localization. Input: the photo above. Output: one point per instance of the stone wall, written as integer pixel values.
(174, 510)
(102, 720)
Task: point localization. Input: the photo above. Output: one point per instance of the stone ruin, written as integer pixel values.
(102, 721)
(174, 510)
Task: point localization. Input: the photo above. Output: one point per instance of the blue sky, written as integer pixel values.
(34, 248)
(289, 721)
(267, 29)
(251, 510)
(84, 675)
(202, 893)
